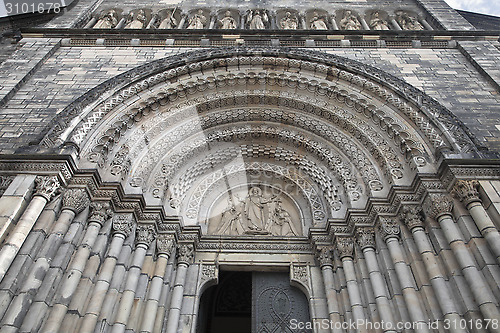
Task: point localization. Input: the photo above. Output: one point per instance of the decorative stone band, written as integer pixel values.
(345, 247)
(145, 234)
(365, 236)
(165, 244)
(75, 199)
(185, 253)
(100, 211)
(467, 191)
(388, 227)
(325, 256)
(123, 223)
(412, 217)
(47, 186)
(437, 204)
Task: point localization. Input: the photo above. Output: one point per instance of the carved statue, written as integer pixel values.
(197, 21)
(280, 222)
(376, 23)
(289, 22)
(231, 222)
(169, 22)
(408, 22)
(138, 22)
(227, 22)
(257, 19)
(108, 21)
(350, 22)
(317, 22)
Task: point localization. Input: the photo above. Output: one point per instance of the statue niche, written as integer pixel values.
(256, 214)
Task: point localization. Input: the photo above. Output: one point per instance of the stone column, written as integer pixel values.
(185, 256)
(389, 229)
(100, 212)
(46, 187)
(466, 191)
(439, 206)
(413, 220)
(366, 240)
(345, 248)
(324, 255)
(145, 234)
(164, 246)
(74, 201)
(122, 226)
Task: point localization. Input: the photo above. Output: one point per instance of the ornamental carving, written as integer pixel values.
(5, 181)
(123, 223)
(412, 217)
(345, 247)
(299, 273)
(208, 272)
(47, 186)
(144, 234)
(165, 243)
(437, 204)
(100, 211)
(325, 256)
(365, 236)
(467, 191)
(185, 254)
(389, 227)
(75, 199)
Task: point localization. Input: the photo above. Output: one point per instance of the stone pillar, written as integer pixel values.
(122, 226)
(100, 212)
(46, 187)
(439, 206)
(165, 292)
(389, 229)
(185, 256)
(413, 219)
(144, 236)
(164, 246)
(74, 201)
(325, 259)
(366, 240)
(345, 248)
(466, 191)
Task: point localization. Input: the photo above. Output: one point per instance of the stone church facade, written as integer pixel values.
(253, 166)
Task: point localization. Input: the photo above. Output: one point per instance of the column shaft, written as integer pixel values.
(353, 291)
(176, 300)
(486, 227)
(154, 293)
(331, 296)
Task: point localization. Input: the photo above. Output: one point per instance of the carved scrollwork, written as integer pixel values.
(47, 186)
(145, 234)
(412, 217)
(345, 247)
(209, 272)
(75, 199)
(324, 255)
(123, 223)
(365, 237)
(300, 273)
(437, 204)
(5, 181)
(389, 227)
(467, 191)
(185, 253)
(165, 243)
(100, 211)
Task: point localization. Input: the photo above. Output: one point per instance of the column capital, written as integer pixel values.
(365, 236)
(324, 255)
(345, 247)
(466, 191)
(437, 204)
(123, 223)
(412, 217)
(185, 253)
(388, 227)
(75, 199)
(100, 211)
(47, 186)
(145, 234)
(165, 244)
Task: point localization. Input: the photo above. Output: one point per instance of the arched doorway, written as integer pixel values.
(248, 302)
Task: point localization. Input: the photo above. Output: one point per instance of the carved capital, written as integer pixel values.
(300, 274)
(165, 243)
(75, 199)
(365, 237)
(388, 227)
(412, 217)
(100, 211)
(185, 254)
(209, 272)
(345, 247)
(145, 234)
(325, 256)
(123, 223)
(47, 186)
(437, 204)
(467, 191)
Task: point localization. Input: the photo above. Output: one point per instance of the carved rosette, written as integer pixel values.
(467, 191)
(47, 186)
(325, 256)
(185, 254)
(75, 199)
(123, 223)
(345, 247)
(365, 237)
(100, 211)
(389, 227)
(437, 204)
(165, 244)
(412, 217)
(145, 234)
